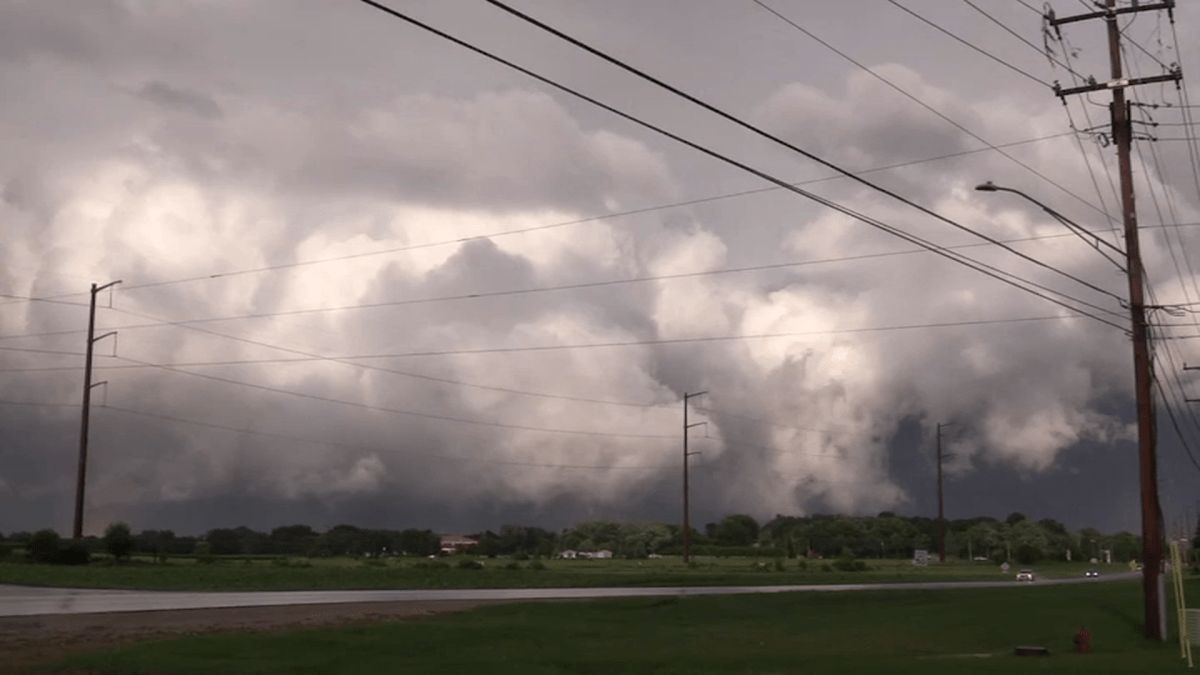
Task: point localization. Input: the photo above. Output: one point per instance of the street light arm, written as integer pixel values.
(1091, 238)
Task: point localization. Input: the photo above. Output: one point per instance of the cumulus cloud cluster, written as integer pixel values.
(132, 160)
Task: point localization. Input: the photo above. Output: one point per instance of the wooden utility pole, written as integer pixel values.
(85, 416)
(941, 500)
(687, 519)
(1122, 131)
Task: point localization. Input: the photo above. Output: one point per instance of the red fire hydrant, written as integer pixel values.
(1083, 641)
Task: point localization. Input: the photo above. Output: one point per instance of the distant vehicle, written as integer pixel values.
(1025, 575)
(1091, 574)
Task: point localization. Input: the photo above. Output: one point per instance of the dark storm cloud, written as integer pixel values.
(324, 132)
(193, 102)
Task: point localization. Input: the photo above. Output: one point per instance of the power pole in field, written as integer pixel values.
(1122, 131)
(941, 501)
(687, 522)
(88, 385)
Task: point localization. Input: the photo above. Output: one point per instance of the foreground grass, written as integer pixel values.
(328, 574)
(927, 632)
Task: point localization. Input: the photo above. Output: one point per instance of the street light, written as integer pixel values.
(1086, 235)
(1152, 540)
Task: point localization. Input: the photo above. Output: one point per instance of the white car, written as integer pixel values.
(1025, 575)
(1092, 574)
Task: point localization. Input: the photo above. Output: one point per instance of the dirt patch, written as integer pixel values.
(31, 641)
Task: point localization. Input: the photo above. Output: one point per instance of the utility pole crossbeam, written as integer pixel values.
(88, 386)
(1152, 537)
(687, 520)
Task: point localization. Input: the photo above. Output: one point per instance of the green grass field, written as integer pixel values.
(926, 632)
(302, 574)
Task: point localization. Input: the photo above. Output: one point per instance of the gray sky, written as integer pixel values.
(170, 142)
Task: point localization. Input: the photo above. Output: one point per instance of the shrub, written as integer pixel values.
(521, 556)
(469, 564)
(373, 562)
(826, 568)
(779, 564)
(512, 565)
(118, 540)
(74, 553)
(204, 554)
(537, 565)
(802, 564)
(431, 565)
(849, 565)
(43, 546)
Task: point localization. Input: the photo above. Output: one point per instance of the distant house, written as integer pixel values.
(603, 554)
(456, 543)
(568, 554)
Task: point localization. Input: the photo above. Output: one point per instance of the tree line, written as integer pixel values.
(886, 535)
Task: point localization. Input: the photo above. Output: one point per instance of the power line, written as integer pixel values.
(761, 420)
(34, 350)
(350, 446)
(38, 404)
(935, 111)
(174, 368)
(775, 139)
(418, 376)
(620, 343)
(469, 296)
(968, 43)
(547, 226)
(1087, 116)
(1002, 25)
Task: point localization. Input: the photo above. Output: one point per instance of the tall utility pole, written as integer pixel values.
(85, 416)
(941, 500)
(687, 519)
(1152, 536)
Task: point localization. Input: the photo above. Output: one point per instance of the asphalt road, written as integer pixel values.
(33, 601)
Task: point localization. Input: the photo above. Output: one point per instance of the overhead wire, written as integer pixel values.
(396, 411)
(1013, 33)
(353, 446)
(758, 131)
(1170, 202)
(752, 128)
(912, 97)
(1076, 78)
(968, 43)
(537, 228)
(159, 323)
(624, 343)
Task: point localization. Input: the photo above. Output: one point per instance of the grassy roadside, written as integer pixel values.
(304, 574)
(925, 632)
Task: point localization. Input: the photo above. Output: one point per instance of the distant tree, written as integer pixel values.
(1028, 541)
(1014, 518)
(419, 542)
(339, 540)
(159, 543)
(118, 540)
(44, 546)
(223, 541)
(1126, 546)
(292, 539)
(737, 530)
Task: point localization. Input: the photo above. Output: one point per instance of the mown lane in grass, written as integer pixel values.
(925, 632)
